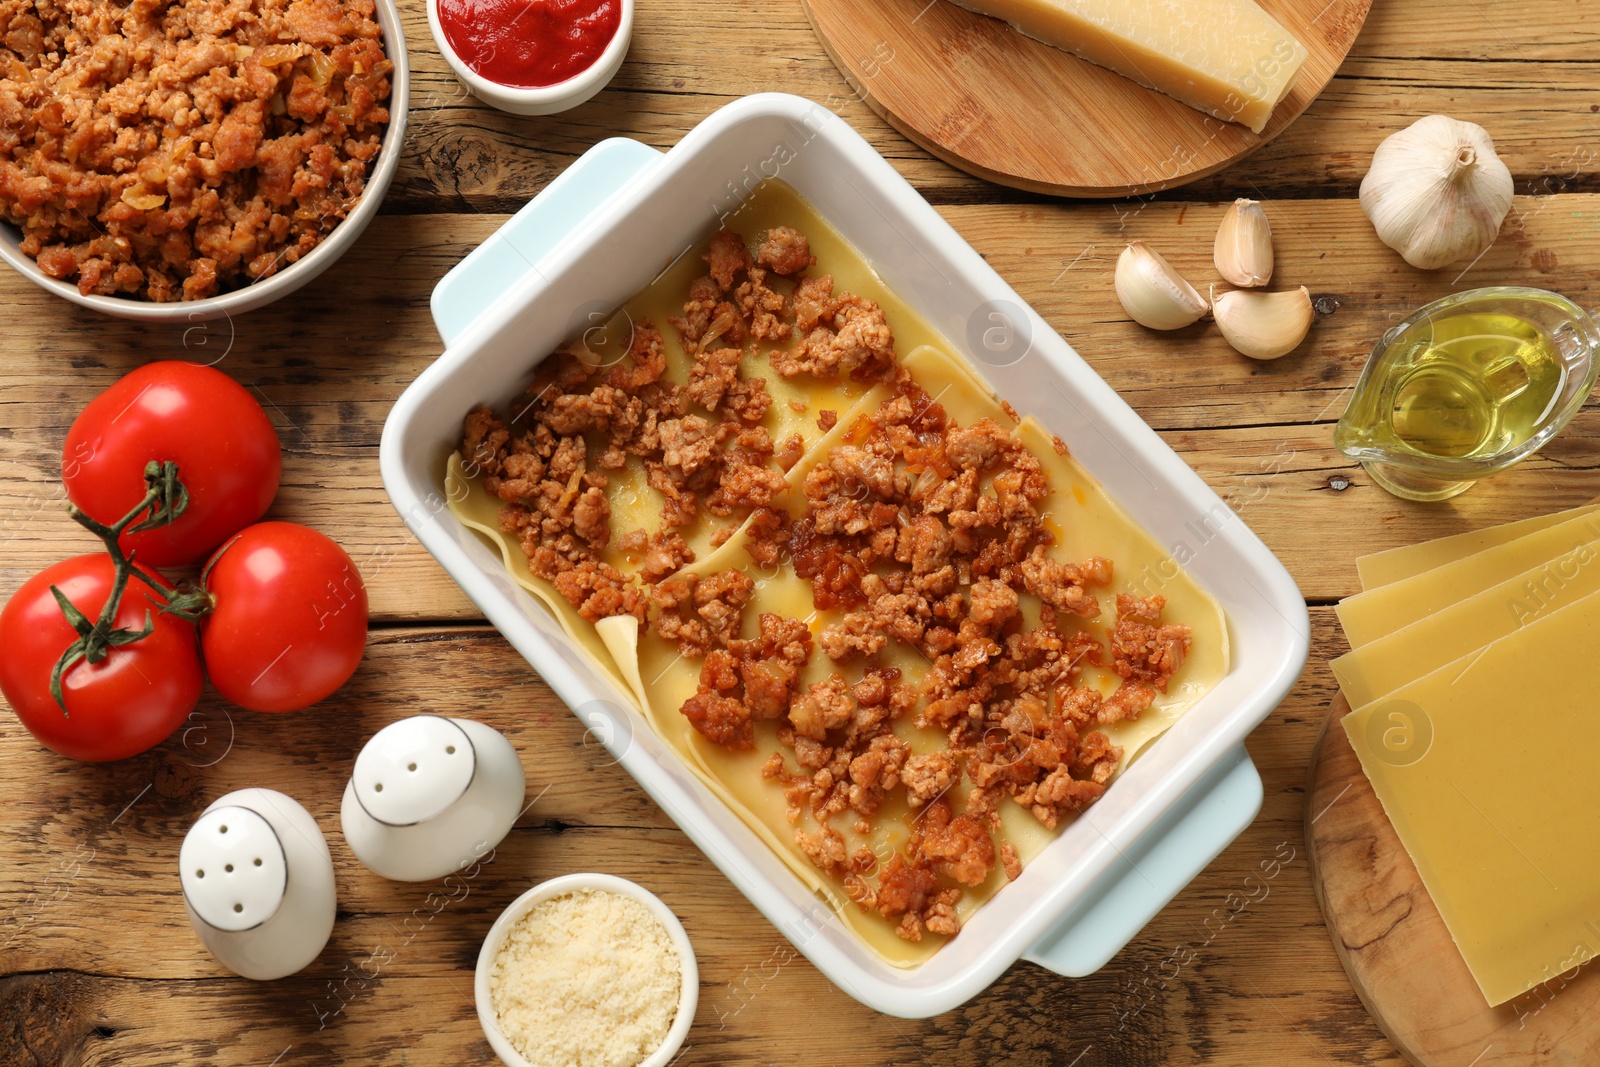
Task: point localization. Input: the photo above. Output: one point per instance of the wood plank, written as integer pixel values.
(1530, 82)
(1238, 969)
(1260, 433)
(326, 366)
(99, 965)
(1061, 258)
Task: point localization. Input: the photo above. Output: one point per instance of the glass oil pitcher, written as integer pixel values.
(1467, 386)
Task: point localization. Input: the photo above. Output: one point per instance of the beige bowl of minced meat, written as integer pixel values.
(189, 160)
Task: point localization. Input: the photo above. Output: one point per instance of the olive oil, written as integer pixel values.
(1466, 385)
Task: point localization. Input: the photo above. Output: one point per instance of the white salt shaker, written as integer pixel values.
(258, 883)
(430, 795)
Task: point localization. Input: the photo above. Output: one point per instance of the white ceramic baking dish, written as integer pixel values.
(602, 231)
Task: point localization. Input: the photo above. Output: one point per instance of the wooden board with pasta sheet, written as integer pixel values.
(1400, 957)
(1005, 107)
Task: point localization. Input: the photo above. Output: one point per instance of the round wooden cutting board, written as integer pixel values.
(1398, 953)
(1007, 108)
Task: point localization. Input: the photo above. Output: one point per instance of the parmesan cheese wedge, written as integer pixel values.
(1227, 58)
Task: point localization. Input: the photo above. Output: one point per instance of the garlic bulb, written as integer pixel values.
(1243, 250)
(1264, 325)
(1436, 191)
(1153, 293)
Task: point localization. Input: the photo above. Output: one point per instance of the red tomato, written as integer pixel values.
(225, 447)
(288, 623)
(128, 702)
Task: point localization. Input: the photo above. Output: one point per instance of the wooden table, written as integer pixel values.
(97, 965)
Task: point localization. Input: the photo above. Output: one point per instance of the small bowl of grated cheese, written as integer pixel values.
(586, 970)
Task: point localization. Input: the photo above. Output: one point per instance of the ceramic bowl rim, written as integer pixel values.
(543, 99)
(292, 277)
(689, 992)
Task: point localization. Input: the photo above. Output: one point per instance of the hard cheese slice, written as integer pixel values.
(1504, 846)
(1371, 615)
(1408, 561)
(1227, 58)
(1391, 661)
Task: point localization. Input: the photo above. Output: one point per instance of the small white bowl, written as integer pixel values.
(688, 999)
(547, 99)
(290, 278)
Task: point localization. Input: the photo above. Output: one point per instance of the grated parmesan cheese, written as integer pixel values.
(586, 979)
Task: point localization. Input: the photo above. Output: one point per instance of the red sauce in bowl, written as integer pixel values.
(529, 44)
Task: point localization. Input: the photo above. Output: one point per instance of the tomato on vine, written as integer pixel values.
(101, 658)
(93, 665)
(286, 620)
(186, 414)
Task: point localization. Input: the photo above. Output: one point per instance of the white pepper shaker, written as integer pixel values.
(258, 883)
(430, 795)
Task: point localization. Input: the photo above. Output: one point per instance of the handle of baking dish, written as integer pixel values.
(528, 236)
(1146, 878)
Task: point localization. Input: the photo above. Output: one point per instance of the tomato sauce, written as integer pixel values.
(529, 44)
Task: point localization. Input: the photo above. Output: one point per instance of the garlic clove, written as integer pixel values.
(1243, 251)
(1153, 293)
(1264, 325)
(1437, 192)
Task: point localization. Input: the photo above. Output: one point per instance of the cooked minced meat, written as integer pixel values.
(174, 151)
(913, 531)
